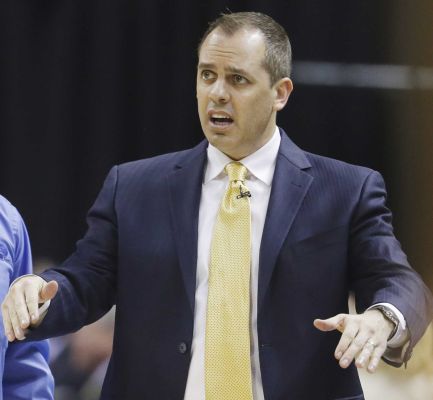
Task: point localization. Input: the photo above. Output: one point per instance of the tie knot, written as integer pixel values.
(236, 171)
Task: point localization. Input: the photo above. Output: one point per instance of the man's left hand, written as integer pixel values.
(364, 337)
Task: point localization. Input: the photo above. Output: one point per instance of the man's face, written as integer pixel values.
(236, 103)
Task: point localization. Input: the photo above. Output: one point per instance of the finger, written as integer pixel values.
(349, 333)
(366, 353)
(18, 332)
(375, 358)
(20, 307)
(48, 291)
(31, 295)
(354, 348)
(330, 324)
(7, 323)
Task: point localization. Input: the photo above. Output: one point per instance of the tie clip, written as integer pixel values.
(243, 194)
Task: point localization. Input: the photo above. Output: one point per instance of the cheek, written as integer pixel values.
(258, 100)
(201, 102)
(200, 91)
(259, 108)
(198, 95)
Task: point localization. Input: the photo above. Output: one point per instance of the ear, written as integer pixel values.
(282, 89)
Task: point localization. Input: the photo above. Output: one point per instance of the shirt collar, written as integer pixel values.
(261, 163)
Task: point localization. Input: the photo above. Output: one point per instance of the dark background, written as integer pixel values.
(88, 84)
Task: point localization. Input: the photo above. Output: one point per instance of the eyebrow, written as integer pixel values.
(233, 70)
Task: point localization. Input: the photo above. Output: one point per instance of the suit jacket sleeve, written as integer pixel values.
(87, 280)
(379, 268)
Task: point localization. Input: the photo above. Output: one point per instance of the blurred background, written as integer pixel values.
(88, 84)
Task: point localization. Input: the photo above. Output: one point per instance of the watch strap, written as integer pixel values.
(390, 316)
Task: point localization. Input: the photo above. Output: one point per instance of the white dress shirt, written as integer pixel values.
(261, 167)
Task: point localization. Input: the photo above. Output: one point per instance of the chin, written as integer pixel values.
(215, 138)
(221, 140)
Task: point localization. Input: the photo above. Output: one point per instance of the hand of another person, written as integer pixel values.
(364, 337)
(20, 307)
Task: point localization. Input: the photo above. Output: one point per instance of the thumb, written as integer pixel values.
(330, 324)
(48, 291)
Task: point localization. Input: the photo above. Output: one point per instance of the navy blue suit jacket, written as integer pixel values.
(327, 232)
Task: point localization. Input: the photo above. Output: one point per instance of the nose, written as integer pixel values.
(219, 93)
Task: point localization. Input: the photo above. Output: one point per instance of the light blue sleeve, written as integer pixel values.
(26, 372)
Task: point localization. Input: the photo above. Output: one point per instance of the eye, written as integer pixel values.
(239, 79)
(207, 75)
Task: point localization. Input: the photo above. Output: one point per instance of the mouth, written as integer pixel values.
(220, 120)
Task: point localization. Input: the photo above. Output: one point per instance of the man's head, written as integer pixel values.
(278, 51)
(242, 81)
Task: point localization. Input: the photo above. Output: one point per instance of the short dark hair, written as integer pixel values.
(278, 52)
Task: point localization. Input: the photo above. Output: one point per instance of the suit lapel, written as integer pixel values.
(185, 191)
(289, 187)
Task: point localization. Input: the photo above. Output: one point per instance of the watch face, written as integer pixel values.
(390, 316)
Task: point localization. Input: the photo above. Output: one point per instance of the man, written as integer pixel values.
(217, 283)
(24, 366)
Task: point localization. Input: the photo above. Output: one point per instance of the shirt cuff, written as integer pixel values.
(401, 336)
(399, 343)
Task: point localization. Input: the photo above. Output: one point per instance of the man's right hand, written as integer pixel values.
(20, 307)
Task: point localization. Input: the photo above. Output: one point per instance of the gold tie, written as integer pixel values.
(227, 351)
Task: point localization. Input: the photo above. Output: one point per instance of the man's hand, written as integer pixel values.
(364, 337)
(20, 307)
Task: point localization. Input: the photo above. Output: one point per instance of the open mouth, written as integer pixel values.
(221, 121)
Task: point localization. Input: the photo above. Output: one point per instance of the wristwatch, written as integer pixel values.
(390, 316)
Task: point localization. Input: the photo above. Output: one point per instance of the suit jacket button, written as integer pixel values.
(182, 347)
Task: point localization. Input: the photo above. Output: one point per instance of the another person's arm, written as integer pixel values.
(26, 373)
